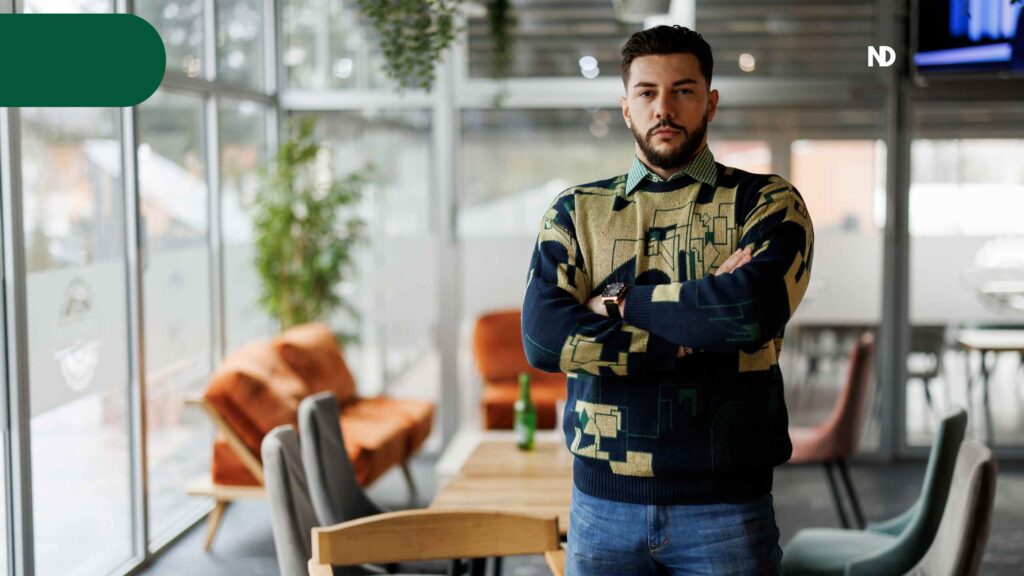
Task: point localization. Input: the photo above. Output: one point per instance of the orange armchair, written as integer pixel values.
(499, 354)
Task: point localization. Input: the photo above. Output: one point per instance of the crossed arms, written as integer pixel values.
(745, 303)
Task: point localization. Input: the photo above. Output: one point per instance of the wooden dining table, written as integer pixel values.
(483, 470)
(985, 341)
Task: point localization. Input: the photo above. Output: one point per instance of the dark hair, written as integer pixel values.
(667, 40)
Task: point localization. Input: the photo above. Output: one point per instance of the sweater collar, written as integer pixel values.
(701, 168)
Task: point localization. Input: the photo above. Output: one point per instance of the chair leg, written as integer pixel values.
(213, 523)
(413, 493)
(477, 567)
(840, 510)
(858, 513)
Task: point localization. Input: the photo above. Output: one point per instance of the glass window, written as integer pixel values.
(325, 46)
(174, 203)
(582, 39)
(966, 282)
(77, 339)
(180, 24)
(240, 42)
(243, 153)
(65, 6)
(843, 184)
(516, 161)
(394, 289)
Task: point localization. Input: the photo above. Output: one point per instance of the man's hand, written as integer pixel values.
(735, 261)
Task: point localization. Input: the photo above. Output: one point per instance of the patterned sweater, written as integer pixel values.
(645, 426)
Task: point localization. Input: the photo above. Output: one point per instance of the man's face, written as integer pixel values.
(668, 107)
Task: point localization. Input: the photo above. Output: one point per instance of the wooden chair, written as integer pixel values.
(556, 561)
(221, 494)
(414, 535)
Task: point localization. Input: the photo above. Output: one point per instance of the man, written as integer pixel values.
(663, 294)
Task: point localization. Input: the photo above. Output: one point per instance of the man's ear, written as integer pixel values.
(625, 112)
(712, 105)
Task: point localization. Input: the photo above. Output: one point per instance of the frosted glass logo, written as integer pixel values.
(883, 56)
(77, 348)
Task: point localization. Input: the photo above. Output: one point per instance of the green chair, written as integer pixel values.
(887, 548)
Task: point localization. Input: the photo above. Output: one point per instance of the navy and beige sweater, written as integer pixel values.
(645, 426)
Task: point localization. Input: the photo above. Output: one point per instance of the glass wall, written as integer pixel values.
(324, 46)
(240, 58)
(967, 270)
(180, 24)
(395, 286)
(174, 202)
(843, 184)
(243, 154)
(77, 338)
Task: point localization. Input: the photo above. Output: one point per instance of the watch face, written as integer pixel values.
(613, 289)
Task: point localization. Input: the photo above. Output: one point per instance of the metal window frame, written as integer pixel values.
(19, 413)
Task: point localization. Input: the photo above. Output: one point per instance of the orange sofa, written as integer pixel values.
(499, 354)
(259, 386)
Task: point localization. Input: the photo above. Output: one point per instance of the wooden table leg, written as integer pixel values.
(213, 522)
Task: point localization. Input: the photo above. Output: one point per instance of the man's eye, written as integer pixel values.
(645, 93)
(685, 91)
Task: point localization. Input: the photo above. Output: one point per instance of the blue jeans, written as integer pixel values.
(608, 538)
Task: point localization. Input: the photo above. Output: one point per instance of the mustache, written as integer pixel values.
(666, 123)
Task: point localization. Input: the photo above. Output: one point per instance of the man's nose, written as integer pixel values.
(664, 107)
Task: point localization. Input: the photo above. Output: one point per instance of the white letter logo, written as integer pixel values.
(884, 56)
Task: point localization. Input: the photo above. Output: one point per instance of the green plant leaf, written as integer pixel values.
(304, 240)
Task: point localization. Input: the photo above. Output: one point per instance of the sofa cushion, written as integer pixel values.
(312, 352)
(254, 391)
(227, 468)
(499, 400)
(374, 444)
(417, 415)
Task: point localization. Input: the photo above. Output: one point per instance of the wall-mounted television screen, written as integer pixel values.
(970, 36)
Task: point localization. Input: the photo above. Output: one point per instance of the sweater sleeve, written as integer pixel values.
(751, 305)
(560, 334)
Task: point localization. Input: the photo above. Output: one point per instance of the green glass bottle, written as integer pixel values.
(526, 415)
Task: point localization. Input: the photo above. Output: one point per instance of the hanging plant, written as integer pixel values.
(501, 20)
(411, 35)
(305, 231)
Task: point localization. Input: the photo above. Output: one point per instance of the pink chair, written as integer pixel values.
(834, 441)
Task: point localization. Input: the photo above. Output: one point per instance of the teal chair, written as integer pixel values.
(892, 547)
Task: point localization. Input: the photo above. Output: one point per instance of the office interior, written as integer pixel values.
(130, 249)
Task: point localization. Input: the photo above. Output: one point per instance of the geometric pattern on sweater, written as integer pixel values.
(666, 240)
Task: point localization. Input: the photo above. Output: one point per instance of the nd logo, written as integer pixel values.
(883, 56)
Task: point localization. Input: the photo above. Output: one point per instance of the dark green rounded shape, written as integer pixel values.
(72, 60)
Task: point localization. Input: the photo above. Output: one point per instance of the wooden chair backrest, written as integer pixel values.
(412, 535)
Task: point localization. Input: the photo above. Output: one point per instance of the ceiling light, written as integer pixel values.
(747, 62)
(588, 63)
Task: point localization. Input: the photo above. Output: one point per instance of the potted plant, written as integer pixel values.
(305, 230)
(411, 35)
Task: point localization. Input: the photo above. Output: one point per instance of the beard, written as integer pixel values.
(673, 158)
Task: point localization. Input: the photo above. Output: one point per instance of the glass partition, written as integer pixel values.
(967, 271)
(843, 184)
(175, 209)
(77, 338)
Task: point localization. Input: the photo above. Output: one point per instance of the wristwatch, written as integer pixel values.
(612, 296)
